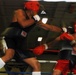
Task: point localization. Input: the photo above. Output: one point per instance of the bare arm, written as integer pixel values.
(21, 18)
(49, 27)
(54, 42)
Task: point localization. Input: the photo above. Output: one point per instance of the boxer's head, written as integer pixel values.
(32, 5)
(72, 28)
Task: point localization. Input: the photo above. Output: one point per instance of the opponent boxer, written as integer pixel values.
(16, 33)
(66, 63)
(67, 53)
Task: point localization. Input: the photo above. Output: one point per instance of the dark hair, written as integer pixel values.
(71, 28)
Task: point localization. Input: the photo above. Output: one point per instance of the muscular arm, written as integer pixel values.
(49, 27)
(40, 49)
(21, 18)
(63, 36)
(54, 42)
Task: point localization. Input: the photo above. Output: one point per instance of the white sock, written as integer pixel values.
(2, 63)
(36, 73)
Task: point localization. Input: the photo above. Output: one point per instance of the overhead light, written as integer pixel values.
(44, 20)
(70, 0)
(43, 12)
(43, 15)
(39, 39)
(60, 0)
(53, 0)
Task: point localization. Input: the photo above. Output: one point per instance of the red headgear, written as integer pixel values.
(32, 5)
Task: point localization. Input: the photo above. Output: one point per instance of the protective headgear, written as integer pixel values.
(72, 28)
(32, 5)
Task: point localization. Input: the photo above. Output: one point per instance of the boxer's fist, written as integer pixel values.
(66, 36)
(40, 49)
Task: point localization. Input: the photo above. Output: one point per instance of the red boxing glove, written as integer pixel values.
(40, 49)
(66, 36)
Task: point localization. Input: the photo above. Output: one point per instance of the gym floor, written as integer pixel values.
(45, 67)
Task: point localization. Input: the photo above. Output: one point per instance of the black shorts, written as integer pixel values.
(20, 47)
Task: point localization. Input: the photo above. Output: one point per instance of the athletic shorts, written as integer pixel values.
(74, 70)
(19, 45)
(63, 66)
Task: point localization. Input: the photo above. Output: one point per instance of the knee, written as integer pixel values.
(8, 55)
(36, 66)
(33, 62)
